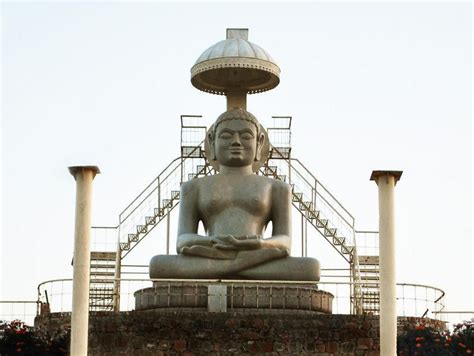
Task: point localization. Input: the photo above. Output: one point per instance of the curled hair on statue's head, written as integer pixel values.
(237, 114)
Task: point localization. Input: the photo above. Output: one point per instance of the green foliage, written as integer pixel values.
(427, 341)
(16, 338)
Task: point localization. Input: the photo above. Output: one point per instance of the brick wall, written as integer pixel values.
(200, 333)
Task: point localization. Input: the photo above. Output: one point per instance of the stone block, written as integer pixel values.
(365, 343)
(179, 345)
(217, 298)
(332, 346)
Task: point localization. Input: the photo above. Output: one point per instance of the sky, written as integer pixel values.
(369, 86)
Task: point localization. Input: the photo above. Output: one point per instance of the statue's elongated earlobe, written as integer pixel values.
(211, 146)
(260, 141)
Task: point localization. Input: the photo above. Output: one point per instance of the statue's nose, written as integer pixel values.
(236, 139)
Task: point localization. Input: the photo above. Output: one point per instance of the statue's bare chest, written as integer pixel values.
(251, 195)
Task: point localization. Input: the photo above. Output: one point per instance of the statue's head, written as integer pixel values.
(236, 139)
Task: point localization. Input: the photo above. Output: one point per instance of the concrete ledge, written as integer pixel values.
(258, 296)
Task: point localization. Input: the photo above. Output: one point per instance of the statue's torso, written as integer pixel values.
(235, 205)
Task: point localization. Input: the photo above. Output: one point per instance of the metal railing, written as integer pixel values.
(24, 310)
(317, 196)
(412, 299)
(454, 317)
(367, 243)
(158, 198)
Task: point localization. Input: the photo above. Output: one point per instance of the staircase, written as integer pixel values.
(101, 287)
(369, 277)
(306, 206)
(159, 198)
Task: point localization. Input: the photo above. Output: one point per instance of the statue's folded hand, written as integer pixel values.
(244, 242)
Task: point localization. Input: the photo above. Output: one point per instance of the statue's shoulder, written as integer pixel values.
(195, 184)
(279, 187)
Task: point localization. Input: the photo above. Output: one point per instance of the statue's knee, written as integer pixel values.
(161, 266)
(310, 269)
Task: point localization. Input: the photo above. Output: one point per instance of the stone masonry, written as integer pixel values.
(187, 332)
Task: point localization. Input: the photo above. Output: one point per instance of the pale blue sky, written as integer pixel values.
(369, 86)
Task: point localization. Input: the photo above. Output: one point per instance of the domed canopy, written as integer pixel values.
(235, 64)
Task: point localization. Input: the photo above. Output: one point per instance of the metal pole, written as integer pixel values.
(305, 238)
(386, 181)
(84, 176)
(302, 235)
(117, 274)
(168, 232)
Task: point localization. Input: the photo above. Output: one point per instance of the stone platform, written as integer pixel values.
(181, 332)
(222, 297)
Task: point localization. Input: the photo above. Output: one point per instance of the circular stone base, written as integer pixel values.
(258, 295)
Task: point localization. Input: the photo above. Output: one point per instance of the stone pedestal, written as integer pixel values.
(256, 296)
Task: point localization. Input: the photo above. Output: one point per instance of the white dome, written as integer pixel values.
(234, 47)
(235, 63)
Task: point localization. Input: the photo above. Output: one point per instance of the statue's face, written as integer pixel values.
(236, 143)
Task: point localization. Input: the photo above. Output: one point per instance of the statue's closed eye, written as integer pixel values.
(225, 136)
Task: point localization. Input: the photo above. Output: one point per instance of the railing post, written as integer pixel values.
(168, 232)
(84, 175)
(386, 181)
(117, 274)
(159, 196)
(302, 235)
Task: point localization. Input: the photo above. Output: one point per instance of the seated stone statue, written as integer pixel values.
(235, 207)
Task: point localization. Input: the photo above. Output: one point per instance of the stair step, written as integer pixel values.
(370, 270)
(102, 256)
(101, 281)
(370, 286)
(338, 240)
(133, 238)
(124, 246)
(101, 296)
(369, 300)
(347, 249)
(141, 229)
(175, 194)
(331, 232)
(282, 178)
(306, 206)
(368, 260)
(322, 223)
(102, 266)
(313, 214)
(297, 197)
(100, 302)
(369, 278)
(159, 212)
(150, 220)
(100, 290)
(93, 273)
(105, 305)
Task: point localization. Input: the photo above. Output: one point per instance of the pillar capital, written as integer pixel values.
(76, 169)
(377, 174)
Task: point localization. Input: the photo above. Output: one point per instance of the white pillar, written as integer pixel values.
(386, 181)
(81, 263)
